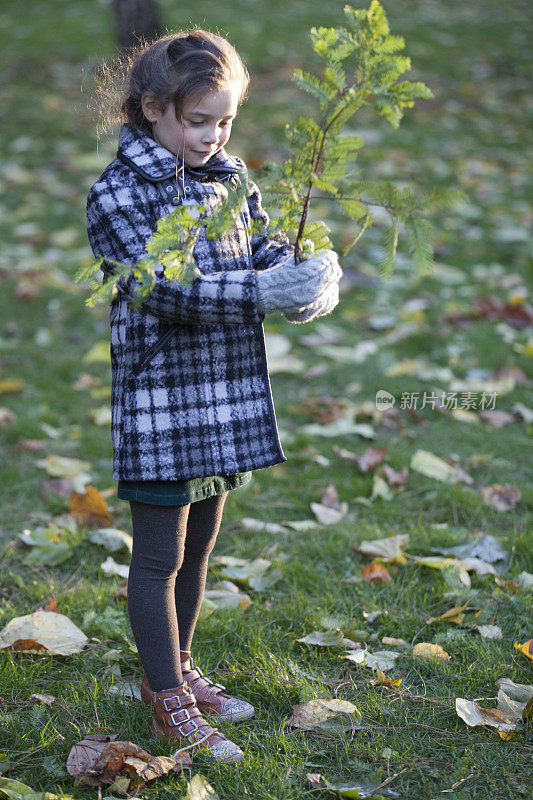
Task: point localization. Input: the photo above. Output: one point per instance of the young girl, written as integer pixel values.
(192, 411)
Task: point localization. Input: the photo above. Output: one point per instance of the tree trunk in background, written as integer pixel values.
(135, 20)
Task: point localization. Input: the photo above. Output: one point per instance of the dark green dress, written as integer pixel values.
(179, 493)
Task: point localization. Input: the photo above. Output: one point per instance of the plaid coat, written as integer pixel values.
(190, 389)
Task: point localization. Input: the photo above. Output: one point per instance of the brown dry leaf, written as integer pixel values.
(393, 477)
(43, 630)
(314, 778)
(6, 417)
(122, 591)
(330, 497)
(324, 409)
(376, 571)
(383, 680)
(309, 715)
(52, 606)
(347, 455)
(89, 508)
(98, 760)
(62, 487)
(32, 445)
(430, 650)
(501, 496)
(44, 699)
(526, 649)
(86, 381)
(371, 458)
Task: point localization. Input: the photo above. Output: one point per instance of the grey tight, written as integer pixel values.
(171, 547)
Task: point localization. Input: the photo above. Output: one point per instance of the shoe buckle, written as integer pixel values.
(166, 699)
(180, 711)
(192, 730)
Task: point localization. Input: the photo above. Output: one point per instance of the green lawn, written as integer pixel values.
(475, 57)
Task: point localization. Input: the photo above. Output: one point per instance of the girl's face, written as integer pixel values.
(204, 127)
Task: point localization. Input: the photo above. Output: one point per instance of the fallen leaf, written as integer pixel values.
(487, 548)
(525, 581)
(376, 571)
(393, 477)
(360, 788)
(473, 714)
(430, 650)
(383, 680)
(43, 630)
(329, 516)
(59, 487)
(111, 567)
(101, 415)
(254, 574)
(389, 640)
(455, 615)
(63, 467)
(330, 638)
(262, 527)
(323, 409)
(314, 778)
(526, 649)
(490, 631)
(15, 790)
(432, 466)
(226, 595)
(89, 508)
(11, 385)
(6, 417)
(371, 458)
(502, 497)
(199, 789)
(312, 714)
(497, 418)
(97, 760)
(52, 545)
(389, 549)
(52, 605)
(447, 565)
(43, 699)
(112, 539)
(126, 690)
(381, 659)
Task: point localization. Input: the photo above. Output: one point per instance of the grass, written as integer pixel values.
(473, 134)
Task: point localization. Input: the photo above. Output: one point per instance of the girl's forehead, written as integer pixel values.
(217, 102)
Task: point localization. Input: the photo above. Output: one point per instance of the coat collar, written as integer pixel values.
(155, 163)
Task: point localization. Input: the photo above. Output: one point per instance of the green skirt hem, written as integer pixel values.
(180, 493)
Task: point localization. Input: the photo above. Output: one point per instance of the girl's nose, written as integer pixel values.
(211, 136)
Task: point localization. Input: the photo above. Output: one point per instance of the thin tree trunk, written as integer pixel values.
(135, 20)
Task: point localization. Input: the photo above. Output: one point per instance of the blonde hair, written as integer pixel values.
(173, 69)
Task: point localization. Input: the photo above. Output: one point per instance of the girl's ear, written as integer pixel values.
(150, 108)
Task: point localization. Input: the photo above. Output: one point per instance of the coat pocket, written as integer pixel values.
(152, 351)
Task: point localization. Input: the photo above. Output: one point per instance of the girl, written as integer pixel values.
(192, 411)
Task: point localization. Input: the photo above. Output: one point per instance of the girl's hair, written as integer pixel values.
(174, 70)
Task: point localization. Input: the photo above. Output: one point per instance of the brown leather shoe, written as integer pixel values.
(177, 717)
(210, 697)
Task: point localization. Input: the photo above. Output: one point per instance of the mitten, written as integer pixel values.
(324, 304)
(292, 287)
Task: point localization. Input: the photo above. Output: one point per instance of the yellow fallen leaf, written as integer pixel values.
(89, 508)
(430, 650)
(309, 715)
(11, 385)
(454, 615)
(382, 679)
(526, 649)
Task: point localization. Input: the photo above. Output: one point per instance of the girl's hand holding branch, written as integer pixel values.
(301, 291)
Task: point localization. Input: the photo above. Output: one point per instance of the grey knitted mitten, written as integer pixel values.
(324, 304)
(290, 287)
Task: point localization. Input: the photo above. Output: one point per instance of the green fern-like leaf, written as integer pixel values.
(419, 237)
(390, 243)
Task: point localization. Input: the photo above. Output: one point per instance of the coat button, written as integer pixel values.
(175, 200)
(187, 190)
(170, 188)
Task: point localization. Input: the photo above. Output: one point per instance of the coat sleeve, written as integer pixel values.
(119, 222)
(266, 252)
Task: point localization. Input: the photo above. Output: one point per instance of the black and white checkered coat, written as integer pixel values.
(190, 390)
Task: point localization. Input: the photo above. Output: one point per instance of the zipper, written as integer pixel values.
(152, 351)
